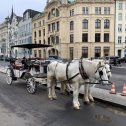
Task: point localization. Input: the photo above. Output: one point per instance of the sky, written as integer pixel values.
(19, 6)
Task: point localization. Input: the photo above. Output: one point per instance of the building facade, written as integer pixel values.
(120, 26)
(4, 37)
(13, 32)
(76, 28)
(25, 31)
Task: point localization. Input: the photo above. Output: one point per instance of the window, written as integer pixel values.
(48, 40)
(106, 24)
(97, 10)
(35, 34)
(120, 16)
(40, 54)
(106, 37)
(71, 38)
(71, 53)
(106, 10)
(71, 25)
(97, 37)
(39, 33)
(39, 41)
(85, 37)
(53, 27)
(72, 12)
(120, 6)
(49, 28)
(53, 40)
(85, 52)
(35, 53)
(119, 39)
(53, 11)
(57, 26)
(85, 11)
(106, 51)
(39, 24)
(43, 32)
(97, 23)
(57, 39)
(34, 25)
(85, 24)
(97, 51)
(125, 39)
(49, 15)
(119, 27)
(57, 13)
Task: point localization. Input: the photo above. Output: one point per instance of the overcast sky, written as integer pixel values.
(19, 6)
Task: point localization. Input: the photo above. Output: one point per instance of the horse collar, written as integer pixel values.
(82, 71)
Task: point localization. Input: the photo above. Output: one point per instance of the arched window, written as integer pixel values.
(57, 13)
(97, 23)
(71, 25)
(106, 23)
(85, 24)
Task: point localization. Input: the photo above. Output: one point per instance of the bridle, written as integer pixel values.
(100, 73)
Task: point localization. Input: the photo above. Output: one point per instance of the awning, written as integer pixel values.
(30, 46)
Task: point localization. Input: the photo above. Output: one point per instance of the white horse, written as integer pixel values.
(87, 91)
(76, 71)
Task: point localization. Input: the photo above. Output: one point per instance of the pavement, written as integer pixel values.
(98, 93)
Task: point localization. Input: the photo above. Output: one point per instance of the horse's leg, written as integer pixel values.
(86, 91)
(89, 94)
(63, 88)
(53, 89)
(76, 103)
(49, 85)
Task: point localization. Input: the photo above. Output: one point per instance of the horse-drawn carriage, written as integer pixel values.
(33, 71)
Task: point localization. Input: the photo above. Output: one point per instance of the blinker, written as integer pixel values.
(101, 73)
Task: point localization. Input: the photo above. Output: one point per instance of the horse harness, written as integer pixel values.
(81, 72)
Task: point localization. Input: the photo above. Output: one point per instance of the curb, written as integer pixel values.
(104, 95)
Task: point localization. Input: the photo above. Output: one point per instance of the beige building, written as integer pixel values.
(75, 28)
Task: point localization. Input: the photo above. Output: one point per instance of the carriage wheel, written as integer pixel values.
(31, 86)
(9, 76)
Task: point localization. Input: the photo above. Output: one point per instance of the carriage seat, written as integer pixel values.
(37, 67)
(17, 65)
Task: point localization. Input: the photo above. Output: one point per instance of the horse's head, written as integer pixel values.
(101, 73)
(108, 69)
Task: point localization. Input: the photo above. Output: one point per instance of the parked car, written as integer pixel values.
(122, 60)
(112, 59)
(53, 58)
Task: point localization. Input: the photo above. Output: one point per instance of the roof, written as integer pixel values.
(30, 46)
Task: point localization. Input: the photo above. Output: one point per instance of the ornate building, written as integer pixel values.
(4, 37)
(13, 22)
(76, 28)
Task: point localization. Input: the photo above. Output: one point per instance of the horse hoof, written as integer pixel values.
(86, 102)
(54, 98)
(50, 97)
(76, 107)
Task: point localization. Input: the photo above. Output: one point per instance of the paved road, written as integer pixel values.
(18, 108)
